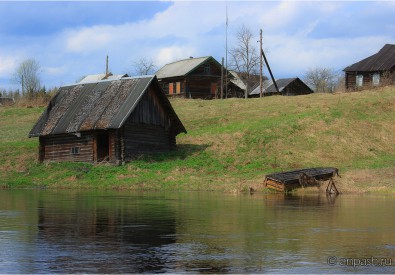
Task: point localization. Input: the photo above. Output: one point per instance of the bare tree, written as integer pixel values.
(27, 74)
(321, 80)
(144, 66)
(244, 56)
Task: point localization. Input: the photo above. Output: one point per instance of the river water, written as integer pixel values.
(46, 231)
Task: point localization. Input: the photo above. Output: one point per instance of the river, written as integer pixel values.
(63, 231)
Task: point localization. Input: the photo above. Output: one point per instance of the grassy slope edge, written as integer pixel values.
(231, 144)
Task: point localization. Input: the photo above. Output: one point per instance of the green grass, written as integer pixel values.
(231, 144)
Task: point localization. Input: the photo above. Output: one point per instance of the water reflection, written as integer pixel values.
(123, 234)
(118, 232)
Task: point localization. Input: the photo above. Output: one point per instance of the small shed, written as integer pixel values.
(372, 71)
(111, 120)
(191, 78)
(286, 87)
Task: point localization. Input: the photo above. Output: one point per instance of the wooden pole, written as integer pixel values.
(270, 71)
(222, 79)
(261, 65)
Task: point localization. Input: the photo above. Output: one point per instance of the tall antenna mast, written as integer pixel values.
(226, 54)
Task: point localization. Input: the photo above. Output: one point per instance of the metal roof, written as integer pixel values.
(382, 61)
(268, 86)
(98, 77)
(182, 67)
(98, 106)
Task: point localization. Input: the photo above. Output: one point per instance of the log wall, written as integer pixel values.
(59, 148)
(142, 139)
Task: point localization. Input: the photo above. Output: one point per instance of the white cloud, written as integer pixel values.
(170, 54)
(54, 70)
(7, 64)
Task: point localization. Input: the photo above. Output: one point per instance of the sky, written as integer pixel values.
(72, 39)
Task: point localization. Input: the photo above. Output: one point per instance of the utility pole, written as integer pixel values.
(261, 65)
(222, 79)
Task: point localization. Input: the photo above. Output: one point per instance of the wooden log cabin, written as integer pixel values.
(286, 86)
(191, 78)
(373, 71)
(111, 120)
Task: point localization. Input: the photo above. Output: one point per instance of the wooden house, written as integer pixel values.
(191, 78)
(286, 87)
(237, 84)
(372, 71)
(111, 120)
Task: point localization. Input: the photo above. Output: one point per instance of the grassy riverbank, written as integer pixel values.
(231, 144)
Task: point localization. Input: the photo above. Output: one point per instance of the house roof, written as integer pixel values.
(268, 86)
(381, 61)
(182, 67)
(237, 80)
(98, 77)
(98, 105)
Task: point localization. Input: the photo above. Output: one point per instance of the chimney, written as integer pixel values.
(106, 67)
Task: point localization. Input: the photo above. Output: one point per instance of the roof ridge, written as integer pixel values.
(205, 57)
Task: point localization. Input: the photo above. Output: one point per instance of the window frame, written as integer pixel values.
(359, 80)
(75, 150)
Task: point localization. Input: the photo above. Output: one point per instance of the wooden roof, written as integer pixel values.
(183, 67)
(98, 105)
(382, 61)
(282, 83)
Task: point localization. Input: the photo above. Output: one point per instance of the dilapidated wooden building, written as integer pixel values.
(286, 87)
(191, 78)
(372, 71)
(111, 120)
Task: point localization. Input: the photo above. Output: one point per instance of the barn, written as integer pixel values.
(375, 70)
(107, 121)
(191, 78)
(286, 86)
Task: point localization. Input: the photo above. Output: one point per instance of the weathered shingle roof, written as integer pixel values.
(237, 80)
(268, 86)
(381, 61)
(181, 68)
(98, 105)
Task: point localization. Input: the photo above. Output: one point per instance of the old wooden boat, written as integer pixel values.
(287, 181)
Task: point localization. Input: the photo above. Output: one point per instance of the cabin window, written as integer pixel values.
(359, 80)
(178, 87)
(376, 79)
(75, 150)
(171, 88)
(207, 67)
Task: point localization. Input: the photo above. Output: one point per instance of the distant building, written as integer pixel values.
(237, 86)
(191, 78)
(286, 86)
(7, 101)
(371, 71)
(111, 120)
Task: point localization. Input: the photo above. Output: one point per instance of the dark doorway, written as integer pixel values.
(102, 147)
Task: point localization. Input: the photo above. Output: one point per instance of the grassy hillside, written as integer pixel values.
(231, 144)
